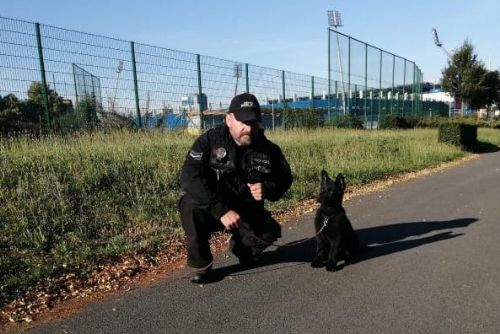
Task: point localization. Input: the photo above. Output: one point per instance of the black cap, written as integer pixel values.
(245, 108)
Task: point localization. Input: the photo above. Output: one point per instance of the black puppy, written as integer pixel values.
(337, 239)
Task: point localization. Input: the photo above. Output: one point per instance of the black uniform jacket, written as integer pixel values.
(216, 172)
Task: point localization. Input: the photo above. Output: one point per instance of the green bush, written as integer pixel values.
(459, 134)
(347, 122)
(296, 118)
(395, 122)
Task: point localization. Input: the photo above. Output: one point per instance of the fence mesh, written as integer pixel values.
(371, 82)
(131, 83)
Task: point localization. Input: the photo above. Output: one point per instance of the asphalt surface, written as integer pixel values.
(432, 267)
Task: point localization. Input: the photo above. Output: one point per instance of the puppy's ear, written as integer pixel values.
(340, 181)
(324, 177)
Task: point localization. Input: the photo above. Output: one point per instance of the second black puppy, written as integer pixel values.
(337, 239)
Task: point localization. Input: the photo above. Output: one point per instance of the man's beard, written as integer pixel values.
(245, 140)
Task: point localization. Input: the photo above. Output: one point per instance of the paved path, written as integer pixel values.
(433, 267)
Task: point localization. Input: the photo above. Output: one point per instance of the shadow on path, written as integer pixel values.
(485, 147)
(380, 241)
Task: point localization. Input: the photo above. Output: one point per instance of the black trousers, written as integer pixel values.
(257, 231)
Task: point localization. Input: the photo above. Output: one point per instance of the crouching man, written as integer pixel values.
(228, 173)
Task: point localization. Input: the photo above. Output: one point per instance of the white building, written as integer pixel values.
(437, 96)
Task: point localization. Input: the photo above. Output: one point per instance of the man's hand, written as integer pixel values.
(257, 191)
(230, 220)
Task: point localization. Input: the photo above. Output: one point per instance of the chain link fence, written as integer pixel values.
(81, 80)
(369, 82)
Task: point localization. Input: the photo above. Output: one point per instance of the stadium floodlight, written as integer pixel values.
(119, 70)
(120, 66)
(436, 38)
(237, 75)
(439, 44)
(334, 19)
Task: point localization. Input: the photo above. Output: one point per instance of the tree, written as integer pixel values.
(9, 112)
(491, 84)
(467, 79)
(34, 108)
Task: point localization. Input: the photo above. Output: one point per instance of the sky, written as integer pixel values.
(287, 35)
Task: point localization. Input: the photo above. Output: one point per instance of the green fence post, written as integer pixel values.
(420, 78)
(246, 76)
(349, 76)
(336, 97)
(94, 104)
(76, 89)
(392, 89)
(200, 92)
(414, 111)
(312, 93)
(285, 107)
(138, 119)
(404, 87)
(42, 74)
(329, 78)
(379, 89)
(366, 81)
(371, 109)
(355, 97)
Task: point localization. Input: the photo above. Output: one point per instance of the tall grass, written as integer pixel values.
(360, 155)
(67, 204)
(491, 136)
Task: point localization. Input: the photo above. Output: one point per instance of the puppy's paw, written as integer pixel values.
(331, 266)
(317, 263)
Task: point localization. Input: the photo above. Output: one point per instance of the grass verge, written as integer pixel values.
(70, 204)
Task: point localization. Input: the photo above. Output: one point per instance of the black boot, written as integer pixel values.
(243, 253)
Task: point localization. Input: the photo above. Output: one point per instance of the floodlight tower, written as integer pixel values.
(335, 21)
(237, 75)
(119, 70)
(439, 44)
(449, 54)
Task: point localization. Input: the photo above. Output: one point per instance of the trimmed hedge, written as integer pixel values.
(458, 134)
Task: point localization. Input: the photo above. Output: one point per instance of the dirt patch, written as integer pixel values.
(61, 297)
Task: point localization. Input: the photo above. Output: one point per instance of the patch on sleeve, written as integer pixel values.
(195, 155)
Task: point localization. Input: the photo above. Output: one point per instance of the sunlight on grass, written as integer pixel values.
(69, 203)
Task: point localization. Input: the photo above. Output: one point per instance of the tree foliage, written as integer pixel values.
(56, 102)
(16, 114)
(467, 79)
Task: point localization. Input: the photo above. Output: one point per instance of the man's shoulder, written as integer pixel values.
(215, 134)
(219, 131)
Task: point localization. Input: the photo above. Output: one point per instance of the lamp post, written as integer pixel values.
(335, 20)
